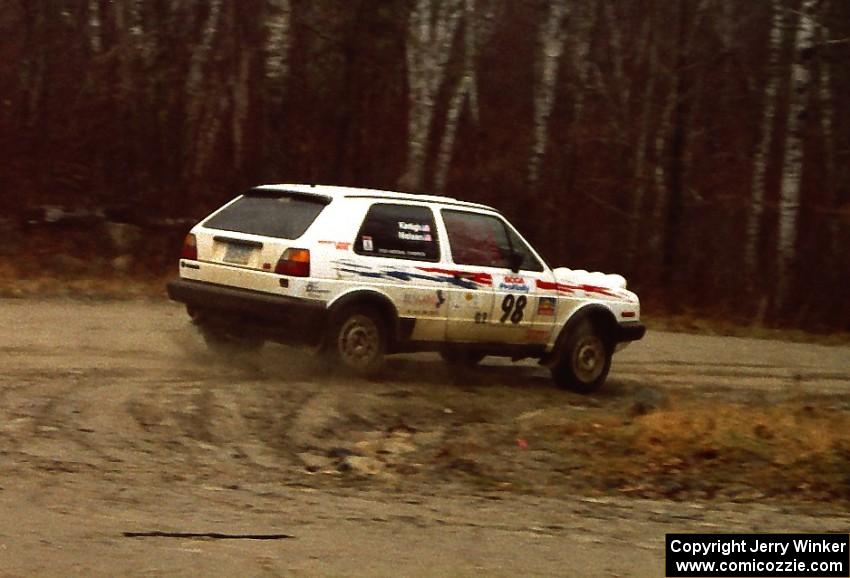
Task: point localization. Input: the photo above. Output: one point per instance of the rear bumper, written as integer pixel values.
(630, 332)
(252, 309)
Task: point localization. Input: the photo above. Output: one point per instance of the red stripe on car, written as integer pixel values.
(567, 288)
(480, 278)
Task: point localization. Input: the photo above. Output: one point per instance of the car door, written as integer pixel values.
(505, 306)
(523, 309)
(474, 263)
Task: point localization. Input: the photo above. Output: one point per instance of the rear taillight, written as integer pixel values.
(294, 262)
(190, 248)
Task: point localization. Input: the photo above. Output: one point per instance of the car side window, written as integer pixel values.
(485, 241)
(477, 239)
(399, 231)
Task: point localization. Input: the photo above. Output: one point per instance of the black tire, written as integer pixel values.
(584, 359)
(221, 341)
(462, 357)
(358, 340)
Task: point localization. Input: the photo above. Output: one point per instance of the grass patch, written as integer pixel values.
(723, 327)
(730, 451)
(791, 452)
(21, 281)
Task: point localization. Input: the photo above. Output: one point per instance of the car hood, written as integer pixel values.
(594, 278)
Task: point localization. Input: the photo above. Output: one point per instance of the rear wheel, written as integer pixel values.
(584, 359)
(359, 340)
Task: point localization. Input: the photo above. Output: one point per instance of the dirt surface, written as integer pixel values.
(126, 448)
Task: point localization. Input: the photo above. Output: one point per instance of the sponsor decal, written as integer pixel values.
(434, 300)
(414, 232)
(315, 289)
(537, 335)
(414, 227)
(401, 253)
(338, 245)
(414, 236)
(514, 283)
(546, 306)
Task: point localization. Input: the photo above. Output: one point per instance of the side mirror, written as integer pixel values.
(515, 261)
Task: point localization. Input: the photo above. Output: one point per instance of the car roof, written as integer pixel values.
(336, 192)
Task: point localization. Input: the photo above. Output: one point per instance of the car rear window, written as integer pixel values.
(280, 215)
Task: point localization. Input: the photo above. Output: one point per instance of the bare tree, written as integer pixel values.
(649, 51)
(201, 103)
(551, 45)
(94, 26)
(430, 34)
(792, 166)
(478, 27)
(768, 121)
(679, 144)
(277, 42)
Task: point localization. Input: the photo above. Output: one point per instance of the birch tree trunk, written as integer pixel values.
(827, 122)
(477, 32)
(551, 40)
(277, 45)
(618, 90)
(789, 193)
(584, 66)
(198, 100)
(760, 160)
(583, 22)
(430, 35)
(94, 26)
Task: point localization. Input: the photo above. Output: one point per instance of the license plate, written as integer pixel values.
(238, 254)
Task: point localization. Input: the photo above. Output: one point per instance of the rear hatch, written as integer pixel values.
(253, 231)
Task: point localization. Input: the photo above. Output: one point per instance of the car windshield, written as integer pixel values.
(280, 215)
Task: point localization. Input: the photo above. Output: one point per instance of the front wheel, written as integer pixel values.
(584, 360)
(359, 341)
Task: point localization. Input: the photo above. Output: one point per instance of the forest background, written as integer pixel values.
(699, 147)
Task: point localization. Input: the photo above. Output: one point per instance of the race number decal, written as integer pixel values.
(513, 308)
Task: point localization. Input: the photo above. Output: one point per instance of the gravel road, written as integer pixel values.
(127, 449)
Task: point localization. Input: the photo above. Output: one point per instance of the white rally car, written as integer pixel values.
(361, 273)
